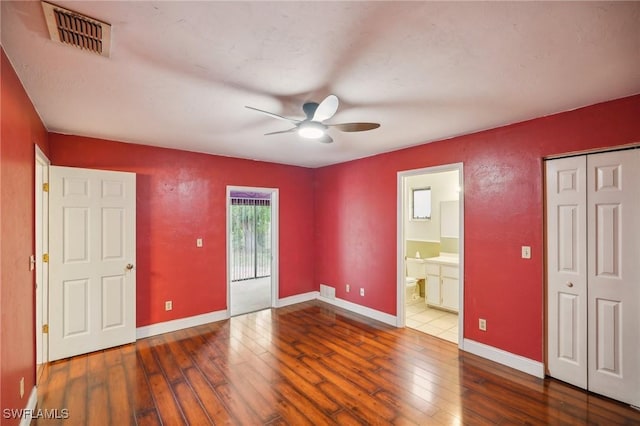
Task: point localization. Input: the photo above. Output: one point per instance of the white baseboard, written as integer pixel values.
(500, 356)
(30, 408)
(362, 310)
(298, 298)
(179, 324)
(182, 323)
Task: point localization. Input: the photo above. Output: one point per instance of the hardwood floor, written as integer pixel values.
(307, 364)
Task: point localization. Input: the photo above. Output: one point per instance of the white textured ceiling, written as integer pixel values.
(180, 73)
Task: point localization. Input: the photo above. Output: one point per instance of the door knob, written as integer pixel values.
(129, 266)
(569, 284)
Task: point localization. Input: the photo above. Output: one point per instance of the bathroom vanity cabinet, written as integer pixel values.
(443, 282)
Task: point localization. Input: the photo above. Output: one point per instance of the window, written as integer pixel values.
(250, 237)
(421, 203)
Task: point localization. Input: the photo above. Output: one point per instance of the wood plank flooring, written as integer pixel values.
(307, 364)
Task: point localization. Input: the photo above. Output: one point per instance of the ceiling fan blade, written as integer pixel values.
(325, 139)
(326, 109)
(309, 109)
(355, 127)
(270, 114)
(282, 131)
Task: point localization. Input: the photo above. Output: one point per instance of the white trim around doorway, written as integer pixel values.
(274, 201)
(401, 255)
(41, 218)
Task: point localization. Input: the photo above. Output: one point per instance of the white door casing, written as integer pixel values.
(594, 288)
(613, 214)
(42, 165)
(275, 226)
(567, 270)
(402, 211)
(92, 288)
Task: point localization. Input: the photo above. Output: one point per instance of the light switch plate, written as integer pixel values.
(199, 242)
(526, 252)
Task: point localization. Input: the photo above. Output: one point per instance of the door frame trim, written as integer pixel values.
(635, 145)
(625, 147)
(42, 246)
(590, 274)
(274, 202)
(401, 252)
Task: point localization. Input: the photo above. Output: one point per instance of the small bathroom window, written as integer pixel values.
(421, 203)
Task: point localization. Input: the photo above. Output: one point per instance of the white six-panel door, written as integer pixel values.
(92, 288)
(613, 218)
(593, 279)
(567, 270)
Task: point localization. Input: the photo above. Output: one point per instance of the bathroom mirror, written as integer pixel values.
(421, 203)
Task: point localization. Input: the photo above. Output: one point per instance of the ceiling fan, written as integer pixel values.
(314, 126)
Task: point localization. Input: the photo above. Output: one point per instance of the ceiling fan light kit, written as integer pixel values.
(313, 126)
(311, 130)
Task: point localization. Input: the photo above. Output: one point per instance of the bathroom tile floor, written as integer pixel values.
(432, 321)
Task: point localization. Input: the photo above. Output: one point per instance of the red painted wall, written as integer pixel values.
(338, 223)
(20, 129)
(180, 197)
(503, 199)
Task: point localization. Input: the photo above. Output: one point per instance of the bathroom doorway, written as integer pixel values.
(252, 218)
(430, 251)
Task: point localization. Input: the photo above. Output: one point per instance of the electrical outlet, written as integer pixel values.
(526, 252)
(361, 291)
(348, 288)
(168, 305)
(21, 387)
(199, 242)
(482, 324)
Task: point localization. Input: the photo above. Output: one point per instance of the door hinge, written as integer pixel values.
(45, 328)
(45, 258)
(45, 187)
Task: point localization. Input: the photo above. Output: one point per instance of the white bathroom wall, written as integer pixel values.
(444, 187)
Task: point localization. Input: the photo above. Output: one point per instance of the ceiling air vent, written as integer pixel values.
(77, 30)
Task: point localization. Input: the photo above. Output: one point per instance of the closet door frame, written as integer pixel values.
(599, 313)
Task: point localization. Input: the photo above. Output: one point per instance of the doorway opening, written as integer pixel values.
(251, 249)
(430, 251)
